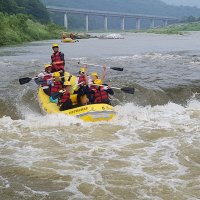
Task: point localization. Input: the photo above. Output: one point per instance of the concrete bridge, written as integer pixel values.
(107, 14)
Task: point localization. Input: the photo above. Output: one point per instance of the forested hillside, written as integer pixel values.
(20, 22)
(33, 8)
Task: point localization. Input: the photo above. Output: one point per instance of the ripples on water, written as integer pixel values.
(149, 151)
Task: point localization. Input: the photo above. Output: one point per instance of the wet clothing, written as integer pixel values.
(101, 95)
(91, 96)
(83, 90)
(82, 79)
(56, 86)
(65, 101)
(58, 57)
(46, 77)
(72, 36)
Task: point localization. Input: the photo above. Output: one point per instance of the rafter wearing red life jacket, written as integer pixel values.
(46, 78)
(65, 102)
(82, 79)
(57, 58)
(65, 97)
(56, 86)
(101, 95)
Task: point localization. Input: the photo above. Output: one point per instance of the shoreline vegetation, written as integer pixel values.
(20, 28)
(178, 29)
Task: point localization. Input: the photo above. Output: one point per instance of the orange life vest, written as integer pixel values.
(82, 79)
(65, 97)
(56, 57)
(57, 85)
(46, 78)
(101, 95)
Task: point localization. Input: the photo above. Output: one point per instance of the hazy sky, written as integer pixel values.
(183, 2)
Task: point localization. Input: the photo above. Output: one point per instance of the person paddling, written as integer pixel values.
(64, 101)
(56, 86)
(83, 90)
(46, 76)
(101, 92)
(95, 76)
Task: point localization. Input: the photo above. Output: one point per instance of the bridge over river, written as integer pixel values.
(106, 14)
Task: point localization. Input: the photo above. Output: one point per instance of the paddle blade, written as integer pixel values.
(128, 90)
(24, 80)
(117, 68)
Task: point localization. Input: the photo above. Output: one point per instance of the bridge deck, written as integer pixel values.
(108, 13)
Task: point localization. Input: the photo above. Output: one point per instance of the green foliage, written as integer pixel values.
(20, 28)
(177, 28)
(190, 19)
(29, 7)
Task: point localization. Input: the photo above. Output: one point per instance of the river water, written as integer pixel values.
(149, 151)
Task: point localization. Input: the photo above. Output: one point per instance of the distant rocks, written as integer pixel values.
(111, 36)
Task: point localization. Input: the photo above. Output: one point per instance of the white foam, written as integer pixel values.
(84, 156)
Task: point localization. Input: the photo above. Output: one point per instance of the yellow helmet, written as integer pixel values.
(56, 74)
(98, 82)
(94, 74)
(47, 65)
(55, 45)
(82, 70)
(67, 83)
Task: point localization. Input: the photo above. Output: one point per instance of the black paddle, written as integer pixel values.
(129, 90)
(113, 68)
(38, 81)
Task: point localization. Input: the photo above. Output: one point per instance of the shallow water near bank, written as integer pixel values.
(149, 151)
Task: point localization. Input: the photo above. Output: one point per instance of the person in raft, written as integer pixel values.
(94, 76)
(101, 92)
(83, 92)
(64, 35)
(57, 60)
(73, 36)
(64, 101)
(46, 76)
(56, 86)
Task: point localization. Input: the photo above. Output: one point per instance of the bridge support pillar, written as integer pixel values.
(86, 23)
(105, 23)
(165, 23)
(122, 24)
(152, 25)
(65, 21)
(137, 23)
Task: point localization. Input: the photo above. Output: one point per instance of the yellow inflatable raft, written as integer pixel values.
(88, 113)
(68, 40)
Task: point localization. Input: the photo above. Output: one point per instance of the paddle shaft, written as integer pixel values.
(95, 65)
(128, 90)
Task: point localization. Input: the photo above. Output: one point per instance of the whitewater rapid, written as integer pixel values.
(150, 150)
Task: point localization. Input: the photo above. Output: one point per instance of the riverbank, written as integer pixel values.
(19, 28)
(178, 29)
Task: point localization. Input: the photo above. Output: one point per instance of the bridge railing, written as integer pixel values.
(107, 14)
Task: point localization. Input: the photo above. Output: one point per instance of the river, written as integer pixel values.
(151, 150)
